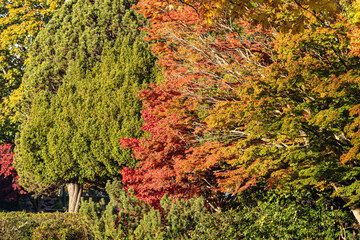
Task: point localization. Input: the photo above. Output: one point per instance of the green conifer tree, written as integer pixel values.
(80, 96)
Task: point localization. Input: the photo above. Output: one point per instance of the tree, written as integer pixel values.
(20, 23)
(81, 100)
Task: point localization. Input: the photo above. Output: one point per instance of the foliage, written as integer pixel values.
(277, 218)
(284, 15)
(297, 116)
(21, 225)
(127, 217)
(78, 32)
(273, 104)
(20, 22)
(121, 217)
(258, 215)
(202, 70)
(255, 93)
(269, 216)
(9, 186)
(82, 94)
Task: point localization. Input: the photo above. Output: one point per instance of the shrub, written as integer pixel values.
(278, 217)
(127, 217)
(258, 215)
(22, 226)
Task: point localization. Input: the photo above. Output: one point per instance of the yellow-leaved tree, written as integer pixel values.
(20, 21)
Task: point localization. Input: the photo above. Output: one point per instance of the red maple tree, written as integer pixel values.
(9, 187)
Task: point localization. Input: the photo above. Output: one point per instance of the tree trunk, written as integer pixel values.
(74, 190)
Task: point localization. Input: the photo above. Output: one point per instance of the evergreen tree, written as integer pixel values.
(80, 96)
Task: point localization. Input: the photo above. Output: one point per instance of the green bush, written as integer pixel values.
(259, 215)
(22, 226)
(276, 216)
(120, 218)
(126, 217)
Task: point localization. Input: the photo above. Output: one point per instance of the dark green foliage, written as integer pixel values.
(92, 212)
(273, 221)
(120, 219)
(182, 216)
(272, 216)
(78, 31)
(259, 216)
(82, 95)
(126, 217)
(42, 226)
